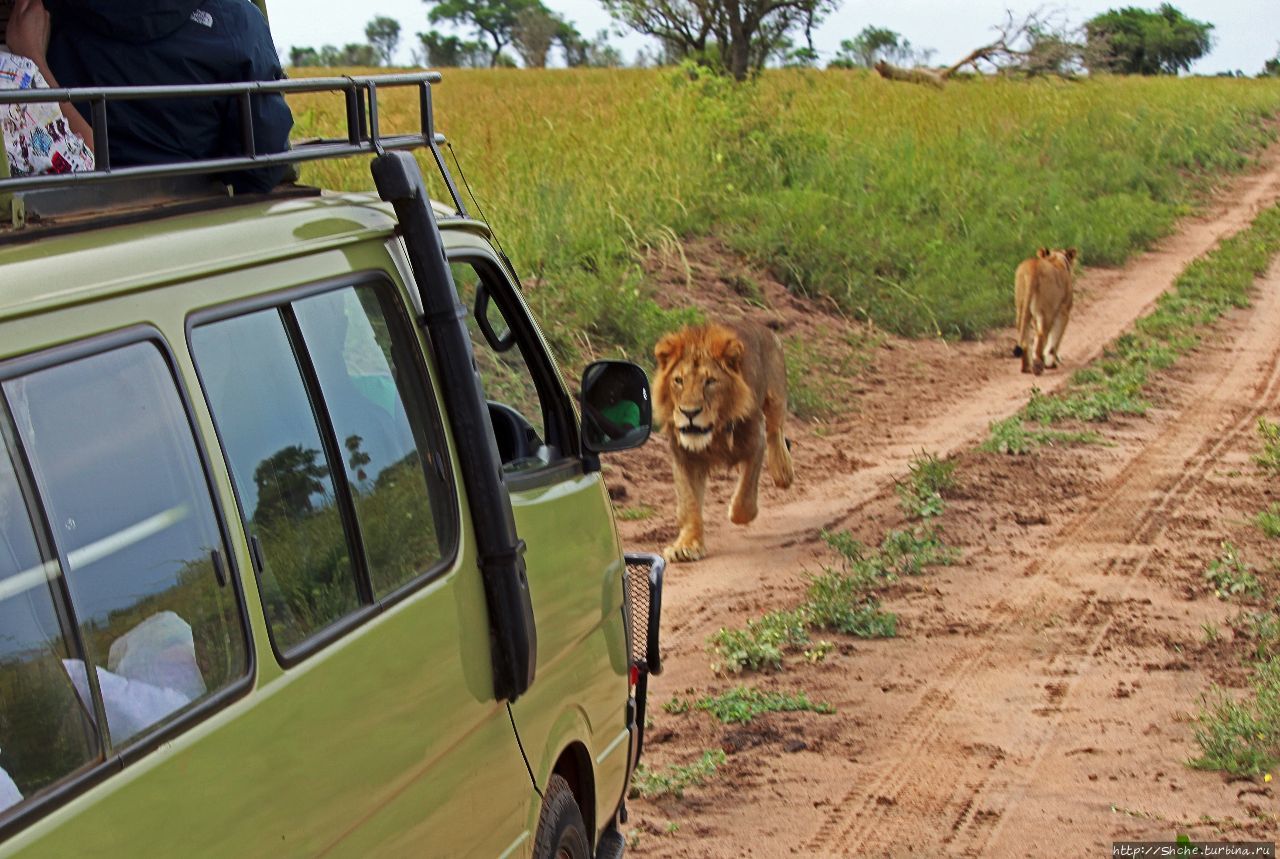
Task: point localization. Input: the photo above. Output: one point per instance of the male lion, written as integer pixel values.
(721, 393)
(1043, 294)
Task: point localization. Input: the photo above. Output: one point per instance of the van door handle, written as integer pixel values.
(255, 552)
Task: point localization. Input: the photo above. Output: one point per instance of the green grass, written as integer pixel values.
(1231, 576)
(1206, 290)
(1269, 458)
(634, 514)
(902, 205)
(836, 600)
(820, 381)
(1268, 521)
(674, 780)
(1011, 436)
(1242, 737)
(743, 703)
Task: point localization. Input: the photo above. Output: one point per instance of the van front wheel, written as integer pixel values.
(561, 832)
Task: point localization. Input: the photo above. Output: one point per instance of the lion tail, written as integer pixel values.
(777, 459)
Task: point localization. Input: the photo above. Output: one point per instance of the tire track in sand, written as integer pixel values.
(1123, 521)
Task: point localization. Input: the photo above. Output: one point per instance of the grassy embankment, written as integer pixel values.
(908, 206)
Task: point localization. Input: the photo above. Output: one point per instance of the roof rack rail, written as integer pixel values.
(364, 136)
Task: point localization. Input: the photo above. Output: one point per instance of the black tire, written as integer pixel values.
(561, 832)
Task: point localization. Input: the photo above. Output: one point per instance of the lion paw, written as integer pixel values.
(677, 552)
(742, 515)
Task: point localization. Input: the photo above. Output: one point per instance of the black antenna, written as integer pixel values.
(480, 211)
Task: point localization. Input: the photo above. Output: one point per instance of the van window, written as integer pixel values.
(367, 380)
(128, 616)
(282, 473)
(131, 515)
(325, 419)
(45, 732)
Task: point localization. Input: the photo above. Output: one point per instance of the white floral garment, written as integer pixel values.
(37, 137)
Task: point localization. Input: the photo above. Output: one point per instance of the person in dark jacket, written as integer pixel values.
(174, 42)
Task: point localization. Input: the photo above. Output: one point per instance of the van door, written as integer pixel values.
(563, 514)
(384, 721)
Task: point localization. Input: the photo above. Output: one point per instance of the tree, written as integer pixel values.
(737, 35)
(492, 20)
(286, 480)
(300, 57)
(1037, 44)
(874, 44)
(383, 34)
(1138, 42)
(1271, 68)
(536, 28)
(446, 52)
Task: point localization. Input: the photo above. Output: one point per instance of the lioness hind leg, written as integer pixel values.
(1056, 331)
(691, 489)
(1037, 347)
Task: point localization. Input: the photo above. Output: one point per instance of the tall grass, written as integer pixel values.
(908, 206)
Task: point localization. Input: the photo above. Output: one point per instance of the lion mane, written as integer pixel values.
(721, 394)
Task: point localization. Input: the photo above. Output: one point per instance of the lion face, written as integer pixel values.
(700, 390)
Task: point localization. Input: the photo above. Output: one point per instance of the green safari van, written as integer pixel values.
(304, 545)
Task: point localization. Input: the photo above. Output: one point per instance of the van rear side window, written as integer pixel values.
(334, 449)
(116, 609)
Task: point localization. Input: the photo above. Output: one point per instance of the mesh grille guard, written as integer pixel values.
(644, 595)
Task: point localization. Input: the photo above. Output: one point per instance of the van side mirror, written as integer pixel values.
(616, 410)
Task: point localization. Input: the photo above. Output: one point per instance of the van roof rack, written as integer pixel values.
(22, 194)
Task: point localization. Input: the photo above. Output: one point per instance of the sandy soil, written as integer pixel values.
(1039, 694)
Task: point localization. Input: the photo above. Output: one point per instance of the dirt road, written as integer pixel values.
(1039, 693)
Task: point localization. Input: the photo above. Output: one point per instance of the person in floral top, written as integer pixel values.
(38, 138)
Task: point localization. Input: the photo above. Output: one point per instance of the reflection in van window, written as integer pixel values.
(265, 420)
(369, 386)
(130, 511)
(45, 732)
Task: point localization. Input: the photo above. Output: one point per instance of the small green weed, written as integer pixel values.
(1212, 635)
(674, 780)
(635, 514)
(1270, 456)
(920, 496)
(837, 602)
(907, 553)
(1094, 404)
(818, 651)
(1011, 436)
(1268, 521)
(677, 705)
(1242, 737)
(1231, 576)
(743, 703)
(761, 644)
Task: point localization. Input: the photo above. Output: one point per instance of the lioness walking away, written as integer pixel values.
(721, 394)
(1043, 294)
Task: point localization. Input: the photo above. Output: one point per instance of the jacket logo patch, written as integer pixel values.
(203, 18)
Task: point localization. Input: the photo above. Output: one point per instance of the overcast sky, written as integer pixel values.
(1246, 32)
